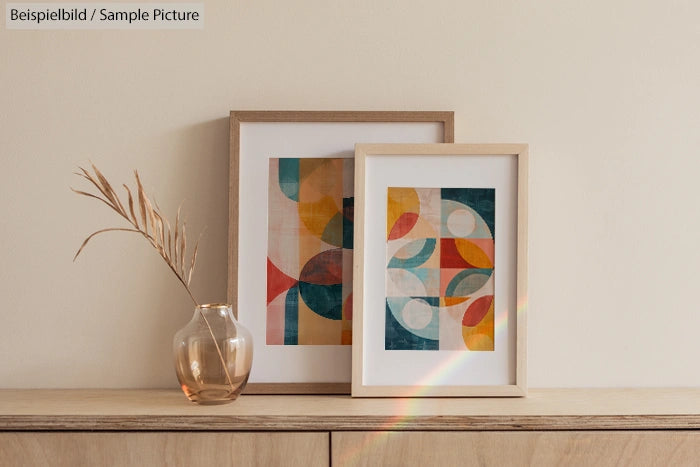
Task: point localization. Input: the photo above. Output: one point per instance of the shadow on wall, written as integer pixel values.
(201, 153)
(200, 167)
(139, 316)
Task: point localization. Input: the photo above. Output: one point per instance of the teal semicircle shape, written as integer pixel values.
(397, 337)
(467, 282)
(324, 300)
(396, 306)
(289, 177)
(423, 255)
(480, 200)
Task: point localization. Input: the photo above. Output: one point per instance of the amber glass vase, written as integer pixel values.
(213, 355)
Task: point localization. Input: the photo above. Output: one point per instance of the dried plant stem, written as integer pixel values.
(170, 244)
(218, 350)
(151, 241)
(149, 222)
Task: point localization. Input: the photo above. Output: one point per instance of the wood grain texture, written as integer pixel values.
(522, 267)
(158, 410)
(403, 153)
(446, 118)
(599, 449)
(297, 388)
(171, 449)
(319, 116)
(233, 209)
(358, 270)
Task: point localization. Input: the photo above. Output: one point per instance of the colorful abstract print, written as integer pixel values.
(440, 269)
(309, 254)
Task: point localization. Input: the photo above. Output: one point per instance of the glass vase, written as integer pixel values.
(213, 355)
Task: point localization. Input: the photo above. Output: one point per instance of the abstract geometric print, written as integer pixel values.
(439, 276)
(309, 259)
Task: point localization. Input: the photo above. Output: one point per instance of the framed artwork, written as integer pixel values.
(291, 225)
(440, 270)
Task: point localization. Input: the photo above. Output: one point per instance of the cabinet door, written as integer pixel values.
(171, 449)
(569, 448)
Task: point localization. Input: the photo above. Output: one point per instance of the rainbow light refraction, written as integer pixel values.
(408, 407)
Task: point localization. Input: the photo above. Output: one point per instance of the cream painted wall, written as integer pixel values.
(606, 93)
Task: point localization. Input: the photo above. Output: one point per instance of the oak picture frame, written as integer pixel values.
(256, 136)
(380, 370)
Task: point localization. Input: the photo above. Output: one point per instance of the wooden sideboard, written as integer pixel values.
(160, 427)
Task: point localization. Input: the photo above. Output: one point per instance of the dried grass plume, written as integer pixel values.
(145, 218)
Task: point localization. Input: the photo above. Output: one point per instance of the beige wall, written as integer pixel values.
(606, 93)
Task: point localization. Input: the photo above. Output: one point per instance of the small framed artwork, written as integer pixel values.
(440, 270)
(291, 236)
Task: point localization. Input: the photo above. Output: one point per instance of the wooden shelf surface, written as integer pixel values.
(169, 410)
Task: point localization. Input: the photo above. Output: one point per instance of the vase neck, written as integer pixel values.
(215, 310)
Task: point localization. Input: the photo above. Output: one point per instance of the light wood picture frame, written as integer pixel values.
(257, 140)
(441, 316)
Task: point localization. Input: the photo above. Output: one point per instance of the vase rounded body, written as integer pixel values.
(213, 355)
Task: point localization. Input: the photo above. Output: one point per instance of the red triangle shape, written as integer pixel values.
(277, 281)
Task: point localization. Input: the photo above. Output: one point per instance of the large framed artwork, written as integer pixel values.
(291, 219)
(440, 270)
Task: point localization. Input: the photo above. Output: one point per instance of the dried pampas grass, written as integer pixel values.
(145, 218)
